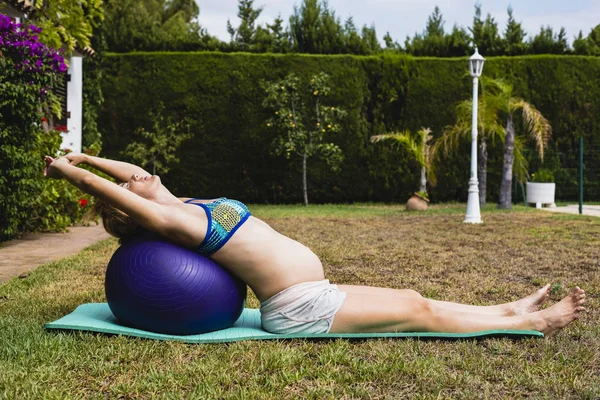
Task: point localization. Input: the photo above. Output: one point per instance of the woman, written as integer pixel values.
(286, 276)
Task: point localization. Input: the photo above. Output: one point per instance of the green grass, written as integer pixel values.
(510, 255)
(367, 210)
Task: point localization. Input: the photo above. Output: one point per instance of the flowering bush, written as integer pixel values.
(20, 42)
(29, 72)
(34, 63)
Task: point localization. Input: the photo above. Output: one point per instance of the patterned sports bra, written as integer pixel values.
(225, 216)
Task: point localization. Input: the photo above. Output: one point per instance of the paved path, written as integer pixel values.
(22, 255)
(574, 209)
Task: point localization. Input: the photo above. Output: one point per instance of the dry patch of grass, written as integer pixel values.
(509, 256)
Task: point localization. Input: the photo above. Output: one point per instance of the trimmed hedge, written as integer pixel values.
(230, 152)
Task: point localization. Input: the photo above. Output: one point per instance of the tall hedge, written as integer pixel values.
(230, 153)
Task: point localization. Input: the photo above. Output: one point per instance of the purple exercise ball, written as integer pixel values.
(160, 287)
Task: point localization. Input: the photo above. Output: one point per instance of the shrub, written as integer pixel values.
(542, 175)
(29, 71)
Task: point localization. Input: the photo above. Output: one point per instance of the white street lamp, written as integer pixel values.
(473, 213)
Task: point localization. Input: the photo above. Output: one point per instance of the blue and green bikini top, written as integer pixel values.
(225, 216)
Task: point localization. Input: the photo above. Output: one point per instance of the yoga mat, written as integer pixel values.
(97, 317)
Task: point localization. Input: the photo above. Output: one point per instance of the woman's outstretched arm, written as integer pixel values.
(148, 214)
(119, 170)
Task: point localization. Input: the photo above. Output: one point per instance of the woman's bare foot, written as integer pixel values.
(531, 303)
(559, 315)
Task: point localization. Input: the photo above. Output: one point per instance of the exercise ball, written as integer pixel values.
(161, 287)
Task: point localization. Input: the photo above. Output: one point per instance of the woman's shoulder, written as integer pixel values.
(187, 224)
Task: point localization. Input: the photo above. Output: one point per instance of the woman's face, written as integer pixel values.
(144, 186)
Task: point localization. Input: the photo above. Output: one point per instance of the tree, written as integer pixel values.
(305, 27)
(244, 36)
(457, 42)
(432, 41)
(581, 45)
(302, 124)
(66, 24)
(150, 25)
(390, 44)
(315, 29)
(589, 45)
(157, 147)
(353, 42)
(535, 124)
(485, 34)
(369, 39)
(419, 147)
(188, 9)
(548, 42)
(433, 38)
(435, 23)
(496, 108)
(331, 32)
(488, 130)
(280, 36)
(594, 40)
(514, 37)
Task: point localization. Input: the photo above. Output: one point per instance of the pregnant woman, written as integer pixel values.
(286, 276)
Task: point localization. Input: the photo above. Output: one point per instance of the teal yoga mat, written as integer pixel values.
(97, 317)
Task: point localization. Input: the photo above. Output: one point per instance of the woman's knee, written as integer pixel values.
(425, 310)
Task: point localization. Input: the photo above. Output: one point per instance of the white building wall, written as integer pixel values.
(72, 138)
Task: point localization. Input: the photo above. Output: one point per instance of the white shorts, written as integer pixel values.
(307, 307)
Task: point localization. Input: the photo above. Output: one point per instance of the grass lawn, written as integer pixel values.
(511, 255)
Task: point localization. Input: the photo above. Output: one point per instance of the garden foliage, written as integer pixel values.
(66, 24)
(155, 148)
(132, 25)
(314, 27)
(304, 121)
(29, 71)
(230, 153)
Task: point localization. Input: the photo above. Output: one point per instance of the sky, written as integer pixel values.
(406, 17)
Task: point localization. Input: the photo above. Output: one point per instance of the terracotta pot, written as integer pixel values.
(417, 203)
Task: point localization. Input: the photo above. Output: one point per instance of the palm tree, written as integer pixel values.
(535, 125)
(417, 145)
(497, 105)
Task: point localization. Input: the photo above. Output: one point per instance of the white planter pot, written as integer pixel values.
(541, 194)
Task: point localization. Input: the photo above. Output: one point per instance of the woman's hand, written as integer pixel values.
(52, 167)
(77, 158)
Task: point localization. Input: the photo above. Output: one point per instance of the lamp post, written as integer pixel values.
(473, 213)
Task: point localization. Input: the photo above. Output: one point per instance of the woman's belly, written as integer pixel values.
(268, 261)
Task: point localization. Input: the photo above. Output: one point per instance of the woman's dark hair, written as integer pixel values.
(115, 221)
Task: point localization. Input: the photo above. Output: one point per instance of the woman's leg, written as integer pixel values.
(525, 305)
(373, 313)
